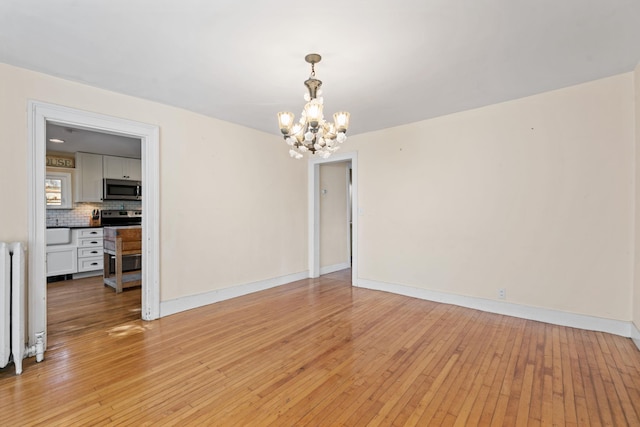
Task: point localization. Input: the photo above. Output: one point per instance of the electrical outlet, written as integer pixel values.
(502, 293)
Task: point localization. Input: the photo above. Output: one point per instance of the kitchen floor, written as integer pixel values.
(75, 307)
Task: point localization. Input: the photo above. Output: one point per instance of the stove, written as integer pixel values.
(116, 217)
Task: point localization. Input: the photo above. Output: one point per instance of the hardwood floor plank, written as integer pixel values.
(412, 368)
(557, 386)
(601, 399)
(315, 352)
(547, 384)
(514, 389)
(362, 390)
(612, 383)
(593, 414)
(536, 358)
(567, 395)
(472, 366)
(436, 408)
(400, 362)
(395, 379)
(522, 417)
(474, 397)
(499, 384)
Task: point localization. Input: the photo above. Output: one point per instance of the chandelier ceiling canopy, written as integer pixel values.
(311, 133)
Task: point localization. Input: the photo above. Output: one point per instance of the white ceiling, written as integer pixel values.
(387, 62)
(90, 141)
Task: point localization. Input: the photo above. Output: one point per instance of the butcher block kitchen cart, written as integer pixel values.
(121, 242)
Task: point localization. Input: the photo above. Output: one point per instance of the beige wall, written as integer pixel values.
(232, 202)
(636, 292)
(333, 214)
(534, 195)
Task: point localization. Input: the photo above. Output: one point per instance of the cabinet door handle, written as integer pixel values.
(93, 232)
(94, 263)
(94, 252)
(94, 243)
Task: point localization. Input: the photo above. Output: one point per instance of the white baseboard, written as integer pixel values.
(635, 335)
(555, 317)
(194, 301)
(335, 267)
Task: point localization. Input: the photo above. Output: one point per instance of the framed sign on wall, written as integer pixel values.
(61, 162)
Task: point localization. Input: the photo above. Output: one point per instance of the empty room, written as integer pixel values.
(344, 213)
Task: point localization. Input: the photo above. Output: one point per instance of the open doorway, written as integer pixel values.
(314, 192)
(335, 216)
(77, 299)
(41, 114)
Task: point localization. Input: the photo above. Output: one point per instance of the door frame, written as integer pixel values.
(39, 114)
(313, 192)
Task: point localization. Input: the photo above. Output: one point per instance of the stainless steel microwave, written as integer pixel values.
(122, 189)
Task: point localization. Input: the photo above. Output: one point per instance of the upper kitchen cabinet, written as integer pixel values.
(122, 168)
(88, 182)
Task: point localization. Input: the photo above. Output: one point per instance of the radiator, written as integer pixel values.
(13, 323)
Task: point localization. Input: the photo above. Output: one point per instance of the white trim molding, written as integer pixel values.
(39, 114)
(555, 317)
(335, 267)
(635, 335)
(200, 300)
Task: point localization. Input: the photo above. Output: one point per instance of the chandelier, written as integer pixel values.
(311, 133)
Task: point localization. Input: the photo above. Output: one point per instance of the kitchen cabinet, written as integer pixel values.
(82, 256)
(122, 168)
(89, 244)
(61, 259)
(91, 169)
(88, 177)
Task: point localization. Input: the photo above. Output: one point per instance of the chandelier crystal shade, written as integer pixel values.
(311, 133)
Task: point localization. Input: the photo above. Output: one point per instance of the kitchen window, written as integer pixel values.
(57, 190)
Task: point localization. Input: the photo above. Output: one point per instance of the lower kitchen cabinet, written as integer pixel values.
(61, 259)
(89, 259)
(89, 243)
(83, 257)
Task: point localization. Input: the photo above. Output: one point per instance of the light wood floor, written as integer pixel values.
(76, 307)
(319, 352)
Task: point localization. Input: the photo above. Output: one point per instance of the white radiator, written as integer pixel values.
(13, 323)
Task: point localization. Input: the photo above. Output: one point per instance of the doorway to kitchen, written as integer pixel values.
(41, 114)
(314, 202)
(78, 301)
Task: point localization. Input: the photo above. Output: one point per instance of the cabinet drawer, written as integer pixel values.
(90, 264)
(90, 243)
(89, 252)
(90, 232)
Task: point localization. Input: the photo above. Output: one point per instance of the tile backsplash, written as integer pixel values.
(80, 214)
